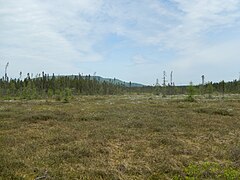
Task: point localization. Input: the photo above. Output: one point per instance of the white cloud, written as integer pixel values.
(31, 33)
(139, 59)
(217, 62)
(57, 35)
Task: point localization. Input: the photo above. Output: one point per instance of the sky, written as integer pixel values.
(132, 40)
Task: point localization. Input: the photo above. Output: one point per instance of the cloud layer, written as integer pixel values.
(132, 40)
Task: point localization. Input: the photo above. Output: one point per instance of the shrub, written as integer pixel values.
(191, 92)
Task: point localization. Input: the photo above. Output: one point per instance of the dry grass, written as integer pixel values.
(119, 137)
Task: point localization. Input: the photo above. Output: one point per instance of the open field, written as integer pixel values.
(120, 137)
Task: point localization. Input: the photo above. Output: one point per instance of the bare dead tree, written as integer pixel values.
(203, 79)
(6, 77)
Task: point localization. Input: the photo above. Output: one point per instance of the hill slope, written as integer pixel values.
(110, 80)
(117, 81)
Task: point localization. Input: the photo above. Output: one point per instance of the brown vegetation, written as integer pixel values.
(120, 137)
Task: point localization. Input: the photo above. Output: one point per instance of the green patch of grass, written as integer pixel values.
(208, 170)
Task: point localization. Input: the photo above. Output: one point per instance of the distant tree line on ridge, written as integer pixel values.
(63, 87)
(45, 85)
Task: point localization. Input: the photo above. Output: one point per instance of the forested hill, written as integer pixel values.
(46, 85)
(116, 81)
(108, 80)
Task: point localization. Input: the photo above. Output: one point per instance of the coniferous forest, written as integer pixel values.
(44, 86)
(60, 87)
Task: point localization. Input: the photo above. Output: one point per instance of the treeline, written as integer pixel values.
(209, 88)
(45, 86)
(232, 87)
(63, 87)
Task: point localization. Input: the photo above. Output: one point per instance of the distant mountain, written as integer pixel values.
(115, 81)
(108, 80)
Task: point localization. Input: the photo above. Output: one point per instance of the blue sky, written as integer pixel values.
(133, 40)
